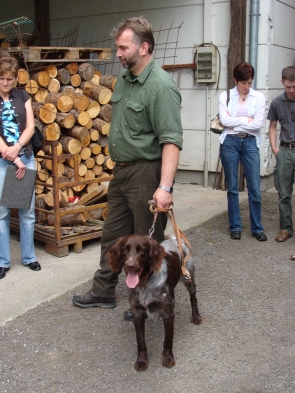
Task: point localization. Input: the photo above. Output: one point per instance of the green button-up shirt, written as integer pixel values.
(145, 115)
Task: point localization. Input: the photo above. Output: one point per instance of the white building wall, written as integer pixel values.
(276, 49)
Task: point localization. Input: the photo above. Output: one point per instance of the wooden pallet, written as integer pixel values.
(56, 54)
(60, 248)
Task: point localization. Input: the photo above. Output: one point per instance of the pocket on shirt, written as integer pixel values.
(135, 116)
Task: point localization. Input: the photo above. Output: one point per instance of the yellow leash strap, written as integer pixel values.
(178, 234)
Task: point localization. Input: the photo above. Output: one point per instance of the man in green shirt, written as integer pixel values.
(145, 140)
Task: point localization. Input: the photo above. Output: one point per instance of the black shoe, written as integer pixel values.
(128, 315)
(3, 271)
(89, 299)
(34, 266)
(236, 235)
(260, 236)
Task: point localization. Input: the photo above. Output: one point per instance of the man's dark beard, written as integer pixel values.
(132, 61)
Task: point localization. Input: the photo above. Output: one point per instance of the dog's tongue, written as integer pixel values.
(132, 280)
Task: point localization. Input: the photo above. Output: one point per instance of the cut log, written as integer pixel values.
(89, 174)
(65, 120)
(51, 132)
(99, 93)
(94, 148)
(69, 172)
(81, 117)
(46, 164)
(105, 112)
(38, 158)
(108, 81)
(38, 124)
(97, 169)
(70, 219)
(95, 79)
(41, 95)
(94, 193)
(71, 161)
(63, 103)
(105, 213)
(40, 203)
(53, 86)
(43, 175)
(66, 87)
(72, 68)
(68, 193)
(63, 76)
(47, 149)
(95, 214)
(41, 77)
(103, 140)
(108, 164)
(52, 71)
(39, 189)
(23, 76)
(70, 145)
(78, 132)
(93, 108)
(90, 187)
(94, 134)
(90, 162)
(89, 124)
(82, 170)
(106, 150)
(32, 87)
(86, 141)
(86, 71)
(49, 199)
(80, 187)
(85, 153)
(99, 159)
(80, 101)
(75, 80)
(45, 113)
(101, 126)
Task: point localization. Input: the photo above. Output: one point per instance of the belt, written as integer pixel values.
(242, 135)
(290, 145)
(129, 163)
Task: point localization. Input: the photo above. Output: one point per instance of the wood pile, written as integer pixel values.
(72, 106)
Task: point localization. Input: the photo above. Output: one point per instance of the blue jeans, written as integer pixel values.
(26, 221)
(232, 151)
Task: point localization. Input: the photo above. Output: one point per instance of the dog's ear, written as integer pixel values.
(157, 253)
(115, 255)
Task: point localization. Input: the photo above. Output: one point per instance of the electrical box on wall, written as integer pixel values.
(206, 60)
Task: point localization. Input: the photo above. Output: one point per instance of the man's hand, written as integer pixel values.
(163, 198)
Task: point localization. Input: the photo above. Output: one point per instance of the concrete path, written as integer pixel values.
(23, 289)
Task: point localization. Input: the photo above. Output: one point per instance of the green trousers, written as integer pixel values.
(284, 179)
(128, 212)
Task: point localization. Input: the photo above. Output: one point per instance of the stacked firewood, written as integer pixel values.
(72, 105)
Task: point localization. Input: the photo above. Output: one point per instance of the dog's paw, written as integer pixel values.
(197, 320)
(168, 359)
(141, 363)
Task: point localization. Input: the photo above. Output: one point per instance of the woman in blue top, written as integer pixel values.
(242, 119)
(16, 130)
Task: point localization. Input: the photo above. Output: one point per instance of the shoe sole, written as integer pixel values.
(101, 305)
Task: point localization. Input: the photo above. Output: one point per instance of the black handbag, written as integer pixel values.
(36, 140)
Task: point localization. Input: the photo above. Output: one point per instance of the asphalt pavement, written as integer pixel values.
(26, 289)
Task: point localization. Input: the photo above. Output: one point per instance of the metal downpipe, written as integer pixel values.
(253, 43)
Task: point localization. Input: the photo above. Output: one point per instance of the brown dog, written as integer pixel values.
(153, 271)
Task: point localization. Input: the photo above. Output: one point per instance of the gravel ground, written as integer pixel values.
(246, 343)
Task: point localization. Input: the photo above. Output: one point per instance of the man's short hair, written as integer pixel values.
(288, 73)
(142, 31)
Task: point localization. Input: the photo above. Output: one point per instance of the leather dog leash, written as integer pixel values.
(178, 234)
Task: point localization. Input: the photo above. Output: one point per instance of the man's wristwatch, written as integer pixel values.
(168, 189)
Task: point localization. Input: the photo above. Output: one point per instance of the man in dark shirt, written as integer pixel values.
(145, 140)
(282, 109)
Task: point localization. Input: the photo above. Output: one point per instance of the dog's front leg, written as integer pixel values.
(168, 358)
(141, 363)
